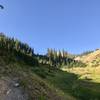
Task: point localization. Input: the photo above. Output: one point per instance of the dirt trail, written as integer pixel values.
(10, 90)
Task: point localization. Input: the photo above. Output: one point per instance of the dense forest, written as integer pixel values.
(55, 59)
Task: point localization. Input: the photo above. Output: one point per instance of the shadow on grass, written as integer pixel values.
(70, 83)
(86, 90)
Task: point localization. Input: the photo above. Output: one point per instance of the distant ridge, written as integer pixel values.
(91, 58)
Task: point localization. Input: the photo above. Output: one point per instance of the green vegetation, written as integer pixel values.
(31, 80)
(41, 75)
(22, 51)
(87, 87)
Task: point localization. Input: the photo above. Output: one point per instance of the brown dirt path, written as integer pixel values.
(10, 90)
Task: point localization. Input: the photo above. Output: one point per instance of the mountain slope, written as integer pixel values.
(35, 86)
(91, 58)
(40, 77)
(17, 61)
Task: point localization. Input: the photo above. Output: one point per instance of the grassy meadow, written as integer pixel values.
(88, 81)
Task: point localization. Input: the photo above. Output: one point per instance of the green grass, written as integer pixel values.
(87, 85)
(72, 83)
(33, 80)
(69, 84)
(56, 84)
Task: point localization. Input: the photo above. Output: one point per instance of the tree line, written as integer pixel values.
(22, 51)
(12, 44)
(57, 59)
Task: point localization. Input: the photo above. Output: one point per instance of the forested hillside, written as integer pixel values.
(41, 76)
(24, 52)
(19, 63)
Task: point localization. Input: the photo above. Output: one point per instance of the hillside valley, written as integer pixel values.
(57, 75)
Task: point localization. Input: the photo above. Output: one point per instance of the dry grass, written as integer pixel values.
(89, 57)
(92, 73)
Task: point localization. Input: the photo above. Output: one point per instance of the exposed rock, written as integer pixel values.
(10, 91)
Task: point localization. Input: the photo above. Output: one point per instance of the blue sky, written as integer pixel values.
(73, 25)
